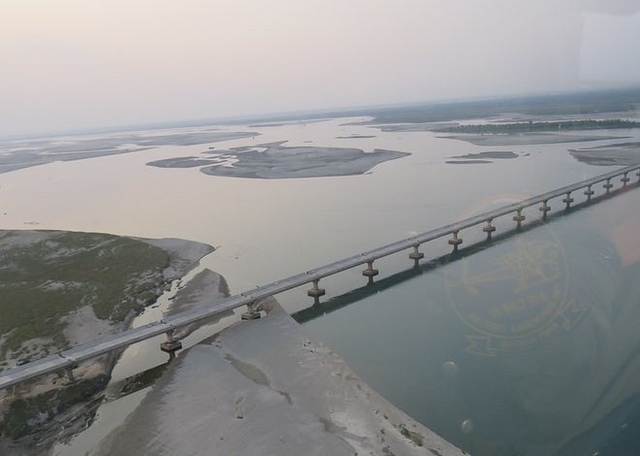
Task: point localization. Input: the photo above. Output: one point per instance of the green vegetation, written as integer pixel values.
(26, 416)
(60, 272)
(560, 104)
(531, 127)
(581, 103)
(44, 277)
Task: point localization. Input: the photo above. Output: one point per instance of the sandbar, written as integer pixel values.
(524, 139)
(19, 154)
(619, 154)
(275, 161)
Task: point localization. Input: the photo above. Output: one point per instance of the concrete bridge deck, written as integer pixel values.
(68, 359)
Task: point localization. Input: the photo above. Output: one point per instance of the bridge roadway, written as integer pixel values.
(69, 359)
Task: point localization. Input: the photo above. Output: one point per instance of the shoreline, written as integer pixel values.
(265, 378)
(83, 326)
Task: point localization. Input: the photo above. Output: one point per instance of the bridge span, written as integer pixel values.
(612, 183)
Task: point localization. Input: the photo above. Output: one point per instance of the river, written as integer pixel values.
(267, 229)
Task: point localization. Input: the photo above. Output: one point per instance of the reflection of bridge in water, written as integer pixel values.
(67, 360)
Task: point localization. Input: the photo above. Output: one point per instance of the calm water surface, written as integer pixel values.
(529, 347)
(268, 229)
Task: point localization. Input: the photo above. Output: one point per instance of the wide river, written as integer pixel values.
(267, 229)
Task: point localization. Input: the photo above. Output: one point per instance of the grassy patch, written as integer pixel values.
(44, 280)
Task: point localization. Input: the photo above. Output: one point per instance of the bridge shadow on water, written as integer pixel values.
(373, 287)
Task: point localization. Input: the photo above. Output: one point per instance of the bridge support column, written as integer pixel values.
(489, 229)
(170, 346)
(69, 372)
(589, 193)
(315, 292)
(608, 186)
(544, 209)
(638, 174)
(625, 179)
(252, 312)
(567, 200)
(416, 255)
(370, 272)
(519, 218)
(455, 242)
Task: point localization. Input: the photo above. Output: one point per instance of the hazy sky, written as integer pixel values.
(70, 64)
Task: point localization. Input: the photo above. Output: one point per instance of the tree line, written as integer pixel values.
(526, 127)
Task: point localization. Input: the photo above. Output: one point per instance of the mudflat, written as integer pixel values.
(276, 161)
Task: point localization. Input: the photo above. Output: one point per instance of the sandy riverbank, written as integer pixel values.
(262, 387)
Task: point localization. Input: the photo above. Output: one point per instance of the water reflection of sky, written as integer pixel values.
(324, 219)
(304, 223)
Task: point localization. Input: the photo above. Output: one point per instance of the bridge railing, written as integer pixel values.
(68, 359)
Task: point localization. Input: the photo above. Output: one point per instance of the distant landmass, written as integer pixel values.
(526, 127)
(275, 161)
(20, 154)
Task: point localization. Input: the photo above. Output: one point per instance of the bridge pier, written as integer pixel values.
(519, 218)
(608, 186)
(455, 242)
(370, 272)
(589, 193)
(416, 255)
(489, 229)
(625, 179)
(544, 209)
(171, 346)
(567, 200)
(252, 312)
(69, 371)
(315, 292)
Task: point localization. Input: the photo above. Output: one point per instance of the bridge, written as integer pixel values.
(612, 183)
